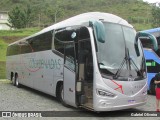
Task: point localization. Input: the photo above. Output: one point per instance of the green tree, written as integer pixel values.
(156, 16)
(20, 18)
(55, 12)
(28, 15)
(17, 18)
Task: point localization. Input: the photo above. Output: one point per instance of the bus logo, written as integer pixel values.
(6, 114)
(130, 79)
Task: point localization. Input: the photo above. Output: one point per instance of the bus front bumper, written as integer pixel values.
(120, 104)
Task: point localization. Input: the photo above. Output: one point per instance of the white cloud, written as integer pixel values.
(151, 1)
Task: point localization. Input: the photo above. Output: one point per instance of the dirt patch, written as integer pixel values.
(11, 39)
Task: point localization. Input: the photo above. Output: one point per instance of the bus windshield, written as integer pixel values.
(118, 53)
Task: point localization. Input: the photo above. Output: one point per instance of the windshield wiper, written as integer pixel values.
(122, 64)
(119, 69)
(130, 59)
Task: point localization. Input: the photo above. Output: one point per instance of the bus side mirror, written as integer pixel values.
(144, 34)
(151, 38)
(99, 30)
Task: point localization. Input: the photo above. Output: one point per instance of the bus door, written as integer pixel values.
(85, 61)
(69, 71)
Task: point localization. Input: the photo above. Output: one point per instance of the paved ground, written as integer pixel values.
(26, 99)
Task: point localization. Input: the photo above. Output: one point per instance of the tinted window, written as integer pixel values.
(13, 49)
(59, 46)
(25, 47)
(152, 66)
(64, 36)
(146, 43)
(41, 42)
(84, 33)
(70, 56)
(38, 43)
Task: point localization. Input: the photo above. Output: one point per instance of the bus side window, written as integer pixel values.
(146, 43)
(42, 42)
(59, 46)
(63, 36)
(70, 56)
(13, 50)
(26, 47)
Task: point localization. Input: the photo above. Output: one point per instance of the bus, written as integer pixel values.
(93, 60)
(152, 56)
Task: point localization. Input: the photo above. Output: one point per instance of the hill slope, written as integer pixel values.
(135, 11)
(7, 37)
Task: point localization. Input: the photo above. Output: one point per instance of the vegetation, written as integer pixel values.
(156, 16)
(35, 14)
(7, 37)
(19, 32)
(2, 69)
(3, 47)
(20, 18)
(42, 13)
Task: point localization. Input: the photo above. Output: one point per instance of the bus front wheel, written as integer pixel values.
(13, 80)
(60, 95)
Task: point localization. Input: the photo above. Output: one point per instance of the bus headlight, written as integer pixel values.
(105, 93)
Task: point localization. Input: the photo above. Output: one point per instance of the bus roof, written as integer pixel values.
(154, 31)
(83, 19)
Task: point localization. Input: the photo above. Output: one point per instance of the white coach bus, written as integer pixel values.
(92, 60)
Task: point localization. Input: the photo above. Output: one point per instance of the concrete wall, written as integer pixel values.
(4, 24)
(4, 27)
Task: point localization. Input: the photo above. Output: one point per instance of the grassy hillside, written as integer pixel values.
(136, 12)
(3, 47)
(7, 37)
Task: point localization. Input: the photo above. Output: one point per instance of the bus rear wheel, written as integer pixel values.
(17, 81)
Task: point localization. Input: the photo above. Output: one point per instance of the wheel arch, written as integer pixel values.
(11, 76)
(59, 83)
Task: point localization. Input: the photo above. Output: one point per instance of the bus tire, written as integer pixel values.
(152, 88)
(60, 96)
(12, 76)
(13, 81)
(17, 81)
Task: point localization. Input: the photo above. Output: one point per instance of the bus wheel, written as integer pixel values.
(60, 95)
(152, 88)
(13, 81)
(17, 81)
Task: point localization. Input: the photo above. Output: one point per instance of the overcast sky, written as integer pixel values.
(152, 1)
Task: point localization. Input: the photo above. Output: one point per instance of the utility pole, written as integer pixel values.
(55, 16)
(39, 23)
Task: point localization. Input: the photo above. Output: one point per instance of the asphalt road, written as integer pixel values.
(22, 100)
